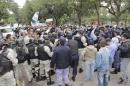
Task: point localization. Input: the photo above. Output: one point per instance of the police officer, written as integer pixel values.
(44, 55)
(8, 61)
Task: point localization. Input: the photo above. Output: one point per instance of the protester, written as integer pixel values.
(89, 55)
(75, 56)
(103, 64)
(67, 47)
(82, 42)
(125, 57)
(62, 59)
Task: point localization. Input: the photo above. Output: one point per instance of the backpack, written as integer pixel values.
(21, 54)
(5, 63)
(31, 50)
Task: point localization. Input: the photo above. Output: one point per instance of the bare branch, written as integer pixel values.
(109, 10)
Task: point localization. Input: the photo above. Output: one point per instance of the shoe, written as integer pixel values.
(51, 72)
(119, 70)
(73, 78)
(80, 70)
(121, 81)
(114, 72)
(66, 84)
(95, 70)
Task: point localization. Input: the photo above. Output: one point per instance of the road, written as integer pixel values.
(81, 82)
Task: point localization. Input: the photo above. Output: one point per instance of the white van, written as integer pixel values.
(4, 31)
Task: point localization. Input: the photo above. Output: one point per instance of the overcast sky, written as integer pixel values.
(20, 2)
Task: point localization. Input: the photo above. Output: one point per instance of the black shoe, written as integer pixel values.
(119, 70)
(51, 72)
(114, 72)
(95, 70)
(66, 84)
(73, 78)
(121, 81)
(80, 70)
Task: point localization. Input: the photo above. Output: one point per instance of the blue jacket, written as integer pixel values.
(61, 57)
(103, 60)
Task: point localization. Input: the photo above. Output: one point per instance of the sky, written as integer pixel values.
(20, 2)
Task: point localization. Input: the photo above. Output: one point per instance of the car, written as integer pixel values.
(4, 31)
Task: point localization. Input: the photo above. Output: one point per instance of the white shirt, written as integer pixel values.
(83, 40)
(12, 56)
(48, 51)
(26, 39)
(115, 40)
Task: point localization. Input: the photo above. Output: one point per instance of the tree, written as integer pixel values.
(3, 9)
(26, 13)
(116, 8)
(82, 8)
(14, 8)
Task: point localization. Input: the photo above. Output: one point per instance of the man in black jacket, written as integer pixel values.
(125, 58)
(62, 60)
(75, 57)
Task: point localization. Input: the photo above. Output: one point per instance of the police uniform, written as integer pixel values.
(8, 78)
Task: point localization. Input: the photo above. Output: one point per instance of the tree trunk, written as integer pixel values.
(117, 20)
(126, 21)
(79, 19)
(98, 18)
(56, 21)
(111, 20)
(98, 15)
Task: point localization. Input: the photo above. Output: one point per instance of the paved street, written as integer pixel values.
(81, 82)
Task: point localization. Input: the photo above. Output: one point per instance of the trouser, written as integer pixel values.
(103, 78)
(62, 74)
(19, 71)
(28, 71)
(124, 68)
(89, 69)
(34, 62)
(80, 57)
(44, 67)
(34, 67)
(117, 60)
(7, 79)
(74, 66)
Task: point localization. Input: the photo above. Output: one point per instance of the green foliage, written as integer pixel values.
(117, 8)
(3, 9)
(78, 11)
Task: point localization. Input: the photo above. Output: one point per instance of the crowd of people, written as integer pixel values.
(40, 52)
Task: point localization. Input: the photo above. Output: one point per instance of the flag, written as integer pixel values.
(35, 19)
(93, 36)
